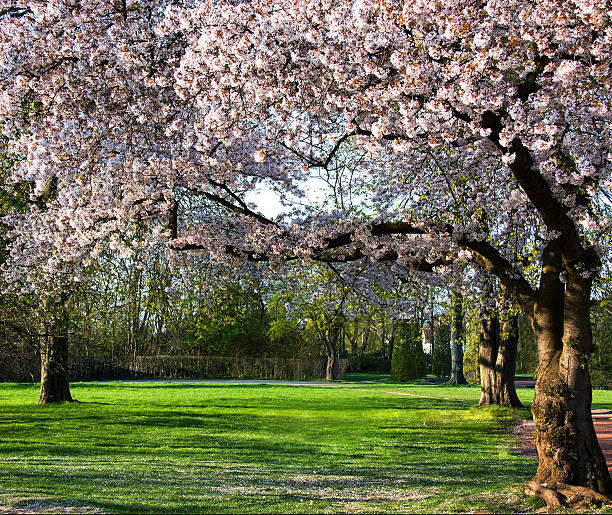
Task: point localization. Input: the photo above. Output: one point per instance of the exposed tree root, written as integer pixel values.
(561, 495)
(551, 498)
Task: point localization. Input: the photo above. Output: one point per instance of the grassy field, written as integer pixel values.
(261, 448)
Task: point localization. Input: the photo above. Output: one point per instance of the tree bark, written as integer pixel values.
(364, 345)
(566, 441)
(331, 372)
(392, 339)
(54, 385)
(497, 355)
(332, 339)
(383, 342)
(487, 352)
(353, 338)
(505, 365)
(457, 339)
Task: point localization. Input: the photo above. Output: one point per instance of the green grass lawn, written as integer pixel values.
(261, 448)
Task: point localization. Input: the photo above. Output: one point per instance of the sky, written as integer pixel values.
(269, 204)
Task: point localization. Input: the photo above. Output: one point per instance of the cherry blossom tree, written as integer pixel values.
(514, 95)
(86, 105)
(477, 130)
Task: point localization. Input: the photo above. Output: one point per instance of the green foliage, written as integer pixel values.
(283, 331)
(441, 359)
(17, 320)
(287, 334)
(471, 370)
(408, 359)
(13, 197)
(233, 321)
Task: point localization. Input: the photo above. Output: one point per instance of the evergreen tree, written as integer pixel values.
(408, 359)
(441, 359)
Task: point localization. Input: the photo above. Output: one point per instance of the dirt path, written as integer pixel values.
(602, 419)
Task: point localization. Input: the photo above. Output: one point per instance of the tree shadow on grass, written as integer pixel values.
(266, 487)
(134, 451)
(463, 447)
(257, 435)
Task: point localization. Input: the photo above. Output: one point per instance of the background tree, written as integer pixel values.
(457, 340)
(441, 357)
(408, 360)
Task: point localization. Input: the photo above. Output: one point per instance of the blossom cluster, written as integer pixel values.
(144, 111)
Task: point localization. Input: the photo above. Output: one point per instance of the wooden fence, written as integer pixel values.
(26, 367)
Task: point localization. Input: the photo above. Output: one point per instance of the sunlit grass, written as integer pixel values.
(260, 448)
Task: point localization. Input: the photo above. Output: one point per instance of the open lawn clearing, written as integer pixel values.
(260, 448)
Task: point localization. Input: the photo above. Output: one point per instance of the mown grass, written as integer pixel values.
(260, 448)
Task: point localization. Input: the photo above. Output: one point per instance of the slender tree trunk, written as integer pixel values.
(364, 344)
(568, 450)
(432, 334)
(353, 339)
(392, 339)
(333, 354)
(54, 386)
(457, 339)
(383, 342)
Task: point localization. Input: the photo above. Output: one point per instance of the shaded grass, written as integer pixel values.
(260, 448)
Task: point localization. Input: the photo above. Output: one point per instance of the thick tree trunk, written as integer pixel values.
(54, 386)
(331, 373)
(505, 366)
(568, 450)
(487, 356)
(457, 376)
(497, 357)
